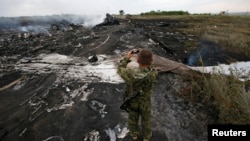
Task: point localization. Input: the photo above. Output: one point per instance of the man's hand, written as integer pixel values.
(129, 54)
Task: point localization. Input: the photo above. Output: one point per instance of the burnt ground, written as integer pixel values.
(44, 98)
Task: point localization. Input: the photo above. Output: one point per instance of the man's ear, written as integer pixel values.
(138, 60)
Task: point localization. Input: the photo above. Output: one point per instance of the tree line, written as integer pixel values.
(165, 13)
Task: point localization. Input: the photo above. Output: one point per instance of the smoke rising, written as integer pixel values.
(40, 23)
(208, 54)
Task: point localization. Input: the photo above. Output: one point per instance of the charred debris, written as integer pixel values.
(53, 64)
(25, 36)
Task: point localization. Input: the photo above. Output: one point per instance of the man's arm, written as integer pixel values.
(123, 63)
(122, 70)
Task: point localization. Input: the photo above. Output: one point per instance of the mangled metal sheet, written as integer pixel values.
(75, 68)
(166, 65)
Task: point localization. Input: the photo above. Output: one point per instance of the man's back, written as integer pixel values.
(138, 79)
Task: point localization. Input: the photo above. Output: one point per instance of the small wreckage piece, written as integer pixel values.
(119, 131)
(93, 58)
(93, 135)
(98, 107)
(54, 138)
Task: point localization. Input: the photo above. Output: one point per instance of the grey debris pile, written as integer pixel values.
(98, 107)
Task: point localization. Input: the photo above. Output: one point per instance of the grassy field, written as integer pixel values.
(225, 97)
(231, 32)
(229, 96)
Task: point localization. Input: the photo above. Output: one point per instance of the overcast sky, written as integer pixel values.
(12, 8)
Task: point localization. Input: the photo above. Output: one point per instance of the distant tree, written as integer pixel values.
(121, 12)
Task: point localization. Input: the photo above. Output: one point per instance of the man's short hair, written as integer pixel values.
(145, 57)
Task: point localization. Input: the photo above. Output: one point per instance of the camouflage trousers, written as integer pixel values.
(140, 118)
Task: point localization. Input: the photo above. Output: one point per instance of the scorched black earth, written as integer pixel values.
(51, 89)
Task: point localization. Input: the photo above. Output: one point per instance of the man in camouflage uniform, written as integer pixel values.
(139, 82)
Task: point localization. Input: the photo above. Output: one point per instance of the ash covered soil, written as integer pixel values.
(59, 82)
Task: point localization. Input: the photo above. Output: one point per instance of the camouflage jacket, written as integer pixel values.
(137, 80)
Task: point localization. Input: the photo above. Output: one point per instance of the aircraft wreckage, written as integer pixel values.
(61, 83)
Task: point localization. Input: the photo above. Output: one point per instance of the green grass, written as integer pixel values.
(231, 32)
(228, 95)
